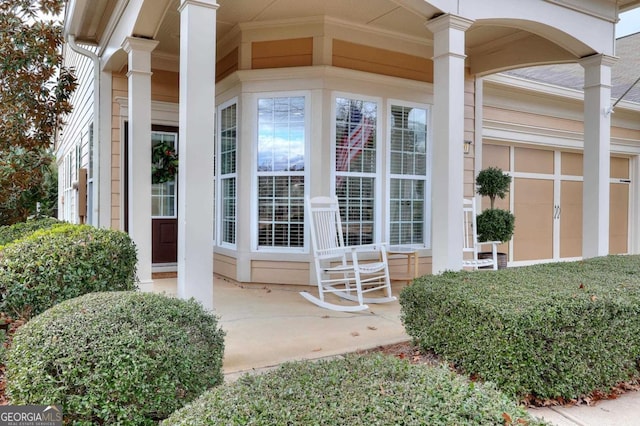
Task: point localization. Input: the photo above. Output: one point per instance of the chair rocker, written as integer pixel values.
(338, 268)
(471, 244)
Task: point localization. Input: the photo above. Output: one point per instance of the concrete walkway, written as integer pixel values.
(269, 325)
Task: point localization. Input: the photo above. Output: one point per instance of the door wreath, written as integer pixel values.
(164, 163)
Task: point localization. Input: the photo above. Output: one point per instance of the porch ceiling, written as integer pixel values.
(489, 46)
(492, 45)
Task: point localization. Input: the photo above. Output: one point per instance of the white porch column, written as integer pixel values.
(195, 147)
(139, 99)
(597, 141)
(448, 134)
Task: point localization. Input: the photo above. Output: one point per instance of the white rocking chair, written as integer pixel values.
(471, 243)
(338, 269)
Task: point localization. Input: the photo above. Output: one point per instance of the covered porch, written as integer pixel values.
(229, 59)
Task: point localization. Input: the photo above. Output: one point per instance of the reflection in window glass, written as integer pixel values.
(163, 195)
(408, 180)
(228, 152)
(355, 166)
(281, 165)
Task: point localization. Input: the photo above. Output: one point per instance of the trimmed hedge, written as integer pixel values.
(63, 262)
(547, 331)
(10, 233)
(355, 390)
(116, 357)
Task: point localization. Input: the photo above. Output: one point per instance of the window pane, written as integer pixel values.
(281, 212)
(355, 136)
(407, 215)
(356, 199)
(408, 140)
(163, 201)
(229, 210)
(281, 163)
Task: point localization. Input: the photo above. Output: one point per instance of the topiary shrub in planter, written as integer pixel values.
(547, 331)
(10, 233)
(60, 263)
(494, 224)
(355, 390)
(116, 357)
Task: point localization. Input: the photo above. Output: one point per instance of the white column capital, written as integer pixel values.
(598, 60)
(139, 44)
(210, 4)
(139, 51)
(448, 21)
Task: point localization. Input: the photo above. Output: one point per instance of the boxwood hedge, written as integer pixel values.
(66, 261)
(545, 331)
(355, 390)
(10, 233)
(116, 357)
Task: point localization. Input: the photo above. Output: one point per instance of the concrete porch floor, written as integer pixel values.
(270, 324)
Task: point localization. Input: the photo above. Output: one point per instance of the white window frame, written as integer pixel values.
(175, 181)
(427, 179)
(255, 175)
(378, 175)
(219, 177)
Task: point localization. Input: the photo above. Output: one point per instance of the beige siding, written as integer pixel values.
(282, 53)
(381, 61)
(165, 86)
(617, 132)
(263, 271)
(227, 65)
(530, 119)
(225, 266)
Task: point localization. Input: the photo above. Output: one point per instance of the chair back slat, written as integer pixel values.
(326, 227)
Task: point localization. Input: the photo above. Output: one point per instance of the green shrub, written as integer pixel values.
(554, 330)
(10, 233)
(355, 390)
(53, 265)
(116, 357)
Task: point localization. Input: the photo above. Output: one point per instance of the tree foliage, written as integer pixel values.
(35, 92)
